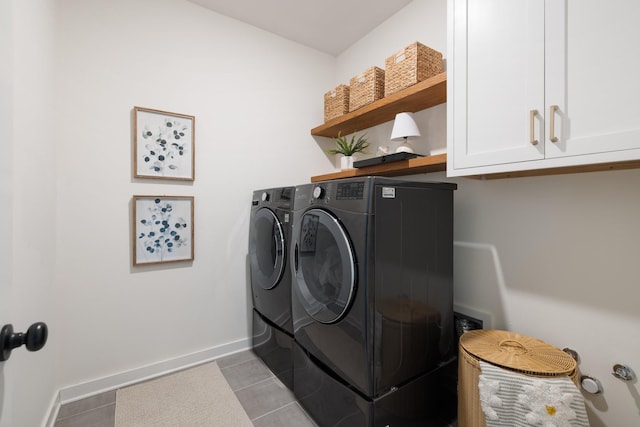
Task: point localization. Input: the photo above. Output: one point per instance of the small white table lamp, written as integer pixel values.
(403, 127)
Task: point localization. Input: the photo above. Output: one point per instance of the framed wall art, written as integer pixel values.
(162, 229)
(163, 145)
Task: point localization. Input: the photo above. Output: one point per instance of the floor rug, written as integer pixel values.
(196, 397)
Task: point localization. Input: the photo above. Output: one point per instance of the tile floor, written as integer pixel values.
(265, 399)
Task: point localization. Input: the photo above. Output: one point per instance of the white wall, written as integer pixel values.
(27, 380)
(556, 258)
(255, 97)
(552, 257)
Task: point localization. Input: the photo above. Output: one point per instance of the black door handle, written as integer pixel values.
(35, 338)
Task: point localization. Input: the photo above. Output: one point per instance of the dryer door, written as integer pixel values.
(324, 266)
(266, 249)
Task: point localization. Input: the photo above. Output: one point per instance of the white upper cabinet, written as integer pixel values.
(536, 84)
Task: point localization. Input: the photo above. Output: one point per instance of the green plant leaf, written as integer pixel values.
(348, 147)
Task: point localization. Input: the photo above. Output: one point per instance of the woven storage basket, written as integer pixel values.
(336, 102)
(507, 350)
(366, 88)
(409, 66)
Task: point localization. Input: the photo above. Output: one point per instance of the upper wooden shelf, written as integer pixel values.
(420, 96)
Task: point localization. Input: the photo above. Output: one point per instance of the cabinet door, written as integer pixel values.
(593, 76)
(496, 67)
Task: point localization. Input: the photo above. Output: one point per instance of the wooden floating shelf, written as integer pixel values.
(420, 96)
(436, 163)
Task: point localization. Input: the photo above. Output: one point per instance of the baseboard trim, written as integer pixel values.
(54, 407)
(122, 379)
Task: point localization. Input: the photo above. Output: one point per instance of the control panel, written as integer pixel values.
(350, 191)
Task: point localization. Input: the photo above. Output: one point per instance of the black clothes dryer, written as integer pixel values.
(269, 231)
(372, 302)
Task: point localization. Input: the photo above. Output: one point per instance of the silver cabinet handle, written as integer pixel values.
(552, 125)
(532, 122)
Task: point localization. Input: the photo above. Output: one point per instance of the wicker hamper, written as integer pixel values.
(366, 88)
(336, 102)
(409, 66)
(507, 350)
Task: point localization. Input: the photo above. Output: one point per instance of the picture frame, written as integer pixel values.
(163, 229)
(163, 145)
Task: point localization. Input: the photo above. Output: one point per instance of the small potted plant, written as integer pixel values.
(348, 148)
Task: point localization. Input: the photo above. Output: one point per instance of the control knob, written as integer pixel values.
(318, 192)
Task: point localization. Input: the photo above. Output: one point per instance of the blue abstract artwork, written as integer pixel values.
(164, 144)
(163, 229)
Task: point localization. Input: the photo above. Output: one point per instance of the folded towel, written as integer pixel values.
(510, 399)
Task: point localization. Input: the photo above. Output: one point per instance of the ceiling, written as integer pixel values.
(329, 26)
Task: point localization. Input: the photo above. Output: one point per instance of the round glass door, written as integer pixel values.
(267, 249)
(324, 266)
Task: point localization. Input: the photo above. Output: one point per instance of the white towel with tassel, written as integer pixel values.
(510, 399)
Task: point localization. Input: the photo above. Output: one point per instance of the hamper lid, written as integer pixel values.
(517, 352)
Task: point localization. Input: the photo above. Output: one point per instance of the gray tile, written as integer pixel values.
(264, 397)
(246, 373)
(101, 417)
(84, 405)
(291, 415)
(236, 359)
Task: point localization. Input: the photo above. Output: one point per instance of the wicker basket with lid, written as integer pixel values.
(336, 102)
(414, 63)
(508, 350)
(366, 88)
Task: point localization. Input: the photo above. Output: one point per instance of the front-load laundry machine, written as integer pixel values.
(372, 302)
(270, 277)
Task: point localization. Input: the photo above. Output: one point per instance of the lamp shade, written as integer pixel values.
(404, 126)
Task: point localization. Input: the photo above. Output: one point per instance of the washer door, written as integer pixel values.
(266, 249)
(324, 266)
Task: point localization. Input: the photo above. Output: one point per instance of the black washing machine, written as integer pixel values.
(372, 302)
(269, 232)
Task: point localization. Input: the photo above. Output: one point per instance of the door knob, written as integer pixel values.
(34, 339)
